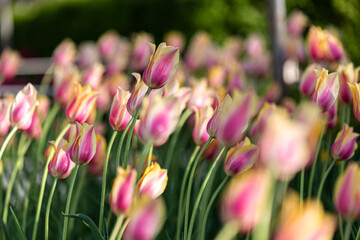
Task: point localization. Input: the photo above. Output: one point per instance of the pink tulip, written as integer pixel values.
(334, 47)
(65, 52)
(153, 182)
(259, 124)
(64, 84)
(5, 106)
(296, 23)
(23, 107)
(35, 129)
(96, 164)
(119, 115)
(197, 51)
(137, 95)
(87, 55)
(201, 94)
(355, 90)
(93, 75)
(346, 76)
(332, 118)
(202, 118)
(141, 52)
(317, 45)
(345, 144)
(9, 63)
(212, 150)
(309, 79)
(107, 44)
(175, 39)
(60, 165)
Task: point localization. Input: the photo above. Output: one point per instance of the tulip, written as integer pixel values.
(346, 193)
(146, 220)
(64, 85)
(107, 44)
(244, 199)
(93, 75)
(283, 146)
(64, 54)
(254, 46)
(119, 59)
(137, 95)
(122, 191)
(260, 122)
(23, 107)
(310, 222)
(175, 39)
(88, 54)
(96, 164)
(141, 52)
(326, 90)
(317, 44)
(159, 118)
(202, 118)
(60, 166)
(201, 95)
(44, 104)
(153, 182)
(345, 144)
(346, 76)
(355, 90)
(332, 119)
(296, 23)
(119, 115)
(216, 76)
(183, 95)
(162, 66)
(82, 103)
(212, 125)
(34, 130)
(241, 157)
(308, 80)
(335, 50)
(212, 150)
(236, 79)
(5, 106)
(196, 54)
(83, 146)
(9, 63)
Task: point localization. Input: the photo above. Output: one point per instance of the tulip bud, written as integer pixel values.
(326, 90)
(197, 51)
(201, 95)
(259, 124)
(83, 146)
(236, 79)
(88, 54)
(34, 130)
(82, 103)
(202, 118)
(317, 44)
(153, 182)
(107, 44)
(355, 90)
(9, 63)
(334, 47)
(346, 193)
(96, 164)
(159, 118)
(241, 157)
(23, 107)
(309, 222)
(60, 165)
(146, 220)
(119, 115)
(64, 54)
(346, 75)
(93, 75)
(175, 39)
(213, 124)
(332, 119)
(64, 84)
(5, 106)
(183, 95)
(345, 144)
(309, 79)
(297, 23)
(162, 66)
(141, 52)
(244, 199)
(212, 150)
(216, 76)
(137, 95)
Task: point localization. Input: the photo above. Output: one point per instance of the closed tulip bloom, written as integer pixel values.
(283, 146)
(175, 39)
(60, 166)
(9, 63)
(82, 103)
(347, 193)
(64, 54)
(183, 95)
(5, 106)
(355, 90)
(35, 129)
(346, 75)
(213, 123)
(93, 75)
(201, 94)
(244, 199)
(146, 220)
(332, 118)
(326, 90)
(119, 115)
(153, 182)
(345, 144)
(122, 191)
(197, 51)
(141, 52)
(162, 66)
(64, 84)
(96, 164)
(259, 124)
(212, 150)
(309, 79)
(202, 118)
(309, 223)
(296, 23)
(107, 44)
(159, 118)
(137, 95)
(83, 146)
(23, 107)
(241, 157)
(334, 47)
(317, 44)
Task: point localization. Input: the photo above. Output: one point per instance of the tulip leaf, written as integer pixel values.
(4, 231)
(88, 222)
(17, 224)
(105, 230)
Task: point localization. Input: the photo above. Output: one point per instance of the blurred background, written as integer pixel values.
(39, 26)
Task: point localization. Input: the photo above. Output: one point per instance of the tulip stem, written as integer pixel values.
(118, 154)
(43, 181)
(103, 188)
(188, 194)
(175, 137)
(68, 201)
(201, 192)
(358, 234)
(48, 207)
(312, 173)
(7, 140)
(182, 191)
(228, 231)
(122, 230)
(324, 179)
(348, 230)
(302, 180)
(150, 155)
(133, 121)
(208, 208)
(142, 159)
(117, 227)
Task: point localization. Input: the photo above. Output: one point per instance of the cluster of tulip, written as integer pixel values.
(271, 151)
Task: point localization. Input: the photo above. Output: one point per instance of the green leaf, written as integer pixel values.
(89, 223)
(17, 224)
(4, 231)
(105, 230)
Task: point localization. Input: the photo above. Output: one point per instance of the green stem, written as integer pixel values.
(43, 181)
(302, 180)
(341, 227)
(358, 234)
(348, 230)
(142, 159)
(118, 154)
(324, 179)
(7, 140)
(133, 121)
(188, 194)
(182, 191)
(201, 192)
(68, 201)
(312, 173)
(175, 137)
(48, 207)
(117, 227)
(228, 231)
(103, 188)
(122, 230)
(208, 208)
(150, 155)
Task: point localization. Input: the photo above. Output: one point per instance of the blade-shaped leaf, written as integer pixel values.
(17, 224)
(89, 223)
(105, 230)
